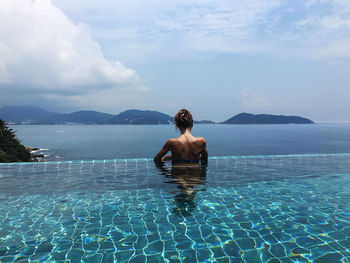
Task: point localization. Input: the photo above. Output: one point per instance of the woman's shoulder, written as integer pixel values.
(172, 141)
(200, 140)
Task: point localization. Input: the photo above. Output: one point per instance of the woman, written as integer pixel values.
(185, 149)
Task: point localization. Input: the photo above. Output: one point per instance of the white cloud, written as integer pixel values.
(40, 47)
(325, 30)
(169, 28)
(173, 28)
(251, 101)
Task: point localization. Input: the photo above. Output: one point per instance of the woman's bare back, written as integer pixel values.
(187, 147)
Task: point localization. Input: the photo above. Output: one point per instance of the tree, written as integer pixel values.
(11, 150)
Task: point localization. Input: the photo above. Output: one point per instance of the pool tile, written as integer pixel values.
(257, 212)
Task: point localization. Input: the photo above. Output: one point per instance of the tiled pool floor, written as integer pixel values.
(249, 209)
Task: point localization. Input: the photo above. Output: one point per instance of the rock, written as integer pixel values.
(31, 149)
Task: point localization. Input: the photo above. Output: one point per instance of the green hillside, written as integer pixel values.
(11, 150)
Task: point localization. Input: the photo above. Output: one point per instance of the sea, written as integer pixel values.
(101, 142)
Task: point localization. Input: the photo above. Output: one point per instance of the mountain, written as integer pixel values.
(79, 117)
(36, 115)
(24, 114)
(247, 118)
(141, 117)
(89, 116)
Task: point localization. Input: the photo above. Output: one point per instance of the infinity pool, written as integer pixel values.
(282, 208)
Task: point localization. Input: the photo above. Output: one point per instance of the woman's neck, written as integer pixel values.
(185, 131)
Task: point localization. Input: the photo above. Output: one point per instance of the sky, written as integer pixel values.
(217, 58)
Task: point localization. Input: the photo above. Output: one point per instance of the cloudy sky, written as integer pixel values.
(216, 58)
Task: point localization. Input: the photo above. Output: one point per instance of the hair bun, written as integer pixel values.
(183, 119)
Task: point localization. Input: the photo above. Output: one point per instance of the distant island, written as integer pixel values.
(140, 117)
(39, 116)
(247, 118)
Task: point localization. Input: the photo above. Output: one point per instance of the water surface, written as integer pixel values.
(238, 209)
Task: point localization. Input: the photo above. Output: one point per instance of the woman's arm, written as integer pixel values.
(159, 156)
(167, 158)
(204, 153)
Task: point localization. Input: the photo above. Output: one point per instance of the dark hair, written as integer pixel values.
(183, 119)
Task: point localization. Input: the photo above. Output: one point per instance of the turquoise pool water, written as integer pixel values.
(276, 208)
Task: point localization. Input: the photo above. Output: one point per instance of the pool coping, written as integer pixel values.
(151, 159)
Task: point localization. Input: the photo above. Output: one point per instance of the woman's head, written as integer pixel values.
(183, 119)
